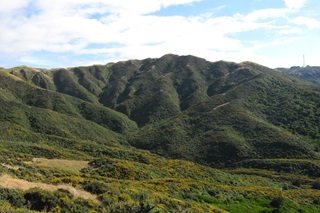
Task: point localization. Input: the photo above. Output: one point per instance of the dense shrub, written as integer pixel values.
(276, 202)
(316, 185)
(40, 200)
(296, 183)
(130, 208)
(13, 196)
(60, 193)
(95, 187)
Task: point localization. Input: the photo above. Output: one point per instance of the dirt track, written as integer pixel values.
(15, 183)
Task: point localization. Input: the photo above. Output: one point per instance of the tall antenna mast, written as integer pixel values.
(304, 61)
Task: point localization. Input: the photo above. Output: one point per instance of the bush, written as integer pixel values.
(316, 185)
(296, 183)
(81, 205)
(13, 196)
(60, 193)
(131, 208)
(40, 200)
(276, 202)
(95, 188)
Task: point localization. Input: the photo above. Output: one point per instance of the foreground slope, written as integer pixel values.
(123, 179)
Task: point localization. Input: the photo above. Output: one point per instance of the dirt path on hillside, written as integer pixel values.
(222, 105)
(15, 183)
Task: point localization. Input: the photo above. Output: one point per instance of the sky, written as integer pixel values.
(67, 33)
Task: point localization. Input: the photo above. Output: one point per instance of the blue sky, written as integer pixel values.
(67, 33)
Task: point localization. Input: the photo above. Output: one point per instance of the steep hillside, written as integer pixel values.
(214, 113)
(35, 110)
(264, 115)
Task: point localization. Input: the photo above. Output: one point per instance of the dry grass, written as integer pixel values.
(14, 183)
(67, 165)
(11, 167)
(7, 74)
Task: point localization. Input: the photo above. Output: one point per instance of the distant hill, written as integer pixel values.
(308, 73)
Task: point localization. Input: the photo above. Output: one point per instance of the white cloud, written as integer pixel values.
(267, 14)
(9, 6)
(287, 30)
(118, 7)
(95, 27)
(295, 4)
(34, 60)
(311, 23)
(59, 24)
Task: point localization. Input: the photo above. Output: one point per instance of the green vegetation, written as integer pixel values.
(161, 185)
(174, 134)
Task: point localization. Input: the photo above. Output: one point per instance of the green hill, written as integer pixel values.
(185, 107)
(262, 114)
(261, 126)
